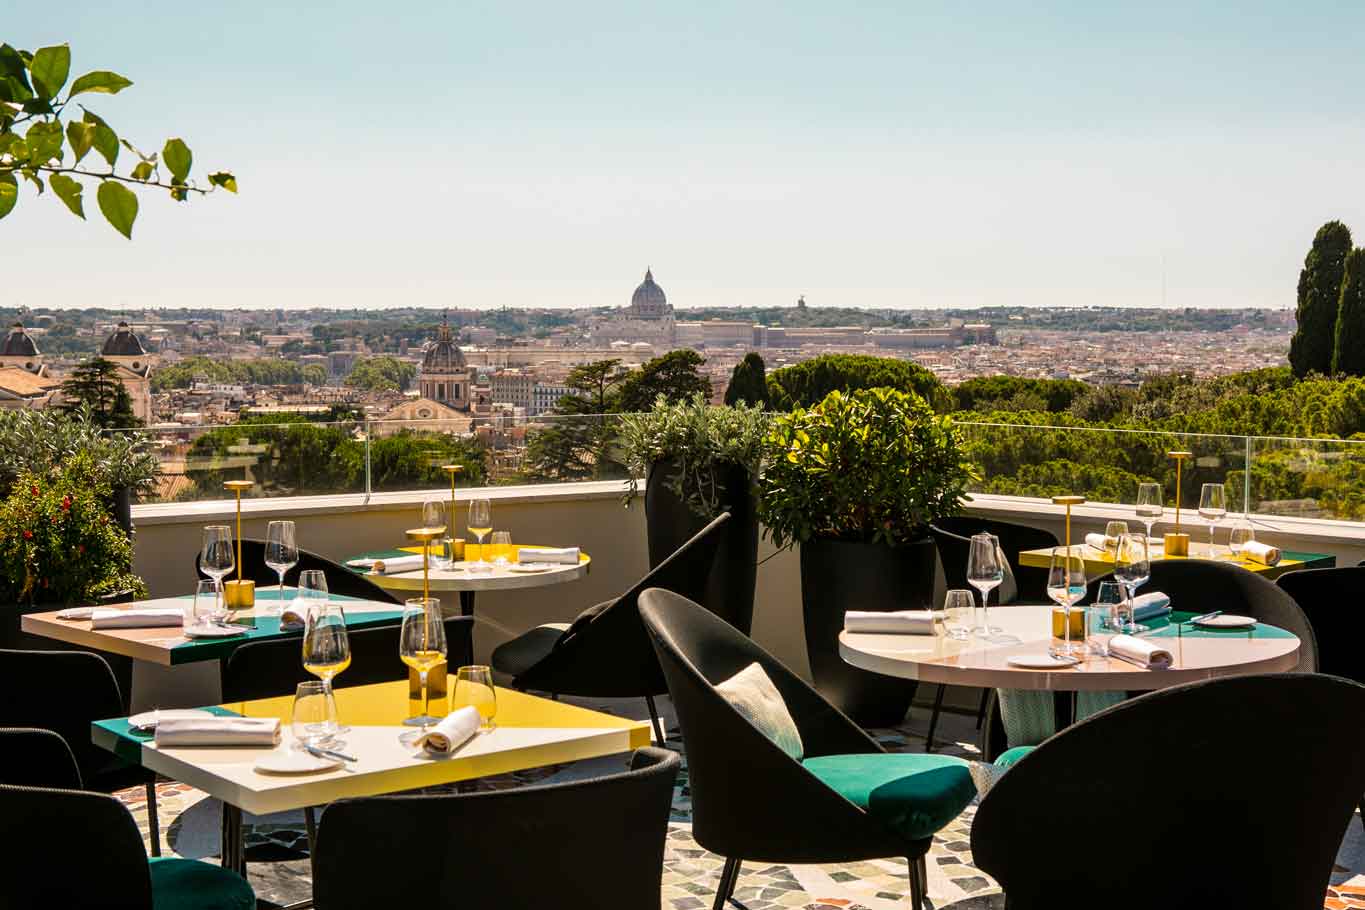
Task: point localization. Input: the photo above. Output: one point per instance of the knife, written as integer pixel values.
(328, 753)
(1194, 619)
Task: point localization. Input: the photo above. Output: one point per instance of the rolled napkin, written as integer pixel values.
(397, 564)
(1100, 542)
(453, 732)
(1140, 651)
(567, 556)
(136, 618)
(292, 619)
(218, 731)
(1263, 553)
(1150, 606)
(79, 614)
(898, 622)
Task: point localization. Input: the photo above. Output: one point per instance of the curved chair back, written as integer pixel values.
(749, 798)
(953, 536)
(107, 871)
(1331, 599)
(265, 669)
(30, 757)
(61, 691)
(340, 580)
(1235, 741)
(594, 844)
(609, 656)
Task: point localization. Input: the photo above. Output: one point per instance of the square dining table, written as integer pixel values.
(1101, 562)
(530, 732)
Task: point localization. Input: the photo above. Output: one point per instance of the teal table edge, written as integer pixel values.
(119, 737)
(1310, 560)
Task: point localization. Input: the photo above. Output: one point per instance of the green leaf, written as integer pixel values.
(137, 151)
(32, 177)
(50, 67)
(9, 193)
(69, 191)
(143, 171)
(178, 158)
(225, 180)
(106, 140)
(13, 66)
(44, 142)
(101, 81)
(81, 137)
(14, 90)
(119, 205)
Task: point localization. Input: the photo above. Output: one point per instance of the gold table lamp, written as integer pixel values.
(1068, 501)
(240, 593)
(1177, 542)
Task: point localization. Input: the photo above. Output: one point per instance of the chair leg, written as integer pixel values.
(981, 711)
(153, 825)
(726, 886)
(933, 719)
(654, 719)
(918, 882)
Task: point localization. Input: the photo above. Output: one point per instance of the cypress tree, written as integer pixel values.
(749, 382)
(1349, 357)
(1310, 350)
(95, 384)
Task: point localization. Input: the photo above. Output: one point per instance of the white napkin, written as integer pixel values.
(1264, 553)
(80, 614)
(1140, 651)
(292, 619)
(1150, 606)
(218, 731)
(899, 622)
(453, 732)
(397, 564)
(1100, 542)
(567, 556)
(136, 618)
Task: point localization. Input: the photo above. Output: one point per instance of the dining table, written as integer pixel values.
(1101, 562)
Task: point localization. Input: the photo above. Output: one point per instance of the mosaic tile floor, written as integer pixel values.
(190, 828)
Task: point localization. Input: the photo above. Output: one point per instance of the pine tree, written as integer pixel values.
(749, 382)
(1310, 350)
(95, 384)
(1349, 357)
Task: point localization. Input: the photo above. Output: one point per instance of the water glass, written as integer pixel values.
(474, 687)
(1112, 532)
(959, 605)
(434, 519)
(314, 718)
(501, 548)
(1103, 617)
(208, 608)
(1242, 533)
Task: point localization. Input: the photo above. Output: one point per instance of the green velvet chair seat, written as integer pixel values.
(1011, 756)
(188, 884)
(913, 795)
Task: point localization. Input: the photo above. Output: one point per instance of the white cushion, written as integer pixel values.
(753, 695)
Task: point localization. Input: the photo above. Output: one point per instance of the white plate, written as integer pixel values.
(213, 631)
(288, 760)
(148, 720)
(531, 566)
(1225, 621)
(1042, 661)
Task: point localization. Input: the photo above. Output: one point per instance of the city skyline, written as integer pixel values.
(544, 157)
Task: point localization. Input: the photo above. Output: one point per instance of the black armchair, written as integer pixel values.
(30, 757)
(1330, 598)
(340, 580)
(953, 538)
(751, 800)
(585, 845)
(605, 652)
(1263, 815)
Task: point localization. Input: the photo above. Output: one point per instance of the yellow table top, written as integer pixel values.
(1098, 562)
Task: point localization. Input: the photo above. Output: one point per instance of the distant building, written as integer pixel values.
(513, 387)
(22, 389)
(135, 368)
(714, 333)
(444, 377)
(21, 352)
(649, 318)
(545, 397)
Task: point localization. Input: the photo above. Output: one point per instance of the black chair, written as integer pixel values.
(65, 691)
(753, 801)
(1330, 598)
(340, 580)
(103, 866)
(593, 844)
(605, 653)
(30, 757)
(1262, 815)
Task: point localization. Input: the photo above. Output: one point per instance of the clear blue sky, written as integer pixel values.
(864, 154)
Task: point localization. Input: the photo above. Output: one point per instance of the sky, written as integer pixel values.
(878, 154)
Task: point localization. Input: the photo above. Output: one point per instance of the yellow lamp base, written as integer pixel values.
(239, 595)
(1177, 544)
(440, 696)
(1077, 617)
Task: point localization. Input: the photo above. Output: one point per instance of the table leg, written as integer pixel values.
(466, 603)
(234, 847)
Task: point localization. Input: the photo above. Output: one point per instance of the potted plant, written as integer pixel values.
(855, 481)
(699, 460)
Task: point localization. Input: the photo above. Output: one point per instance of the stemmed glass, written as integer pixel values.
(326, 646)
(422, 646)
(1066, 586)
(281, 553)
(480, 523)
(1213, 505)
(985, 571)
(216, 560)
(1149, 504)
(434, 520)
(1132, 567)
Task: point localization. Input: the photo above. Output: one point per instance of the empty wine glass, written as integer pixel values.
(1149, 504)
(1066, 586)
(1133, 567)
(281, 552)
(480, 523)
(1213, 505)
(1103, 617)
(958, 605)
(985, 572)
(434, 520)
(217, 560)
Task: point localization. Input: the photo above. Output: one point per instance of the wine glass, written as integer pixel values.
(1066, 586)
(1149, 504)
(1133, 567)
(1242, 533)
(985, 571)
(326, 646)
(958, 605)
(312, 589)
(434, 520)
(216, 560)
(474, 687)
(480, 523)
(1113, 530)
(281, 553)
(422, 646)
(1213, 505)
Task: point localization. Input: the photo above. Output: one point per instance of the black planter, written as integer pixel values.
(121, 507)
(838, 576)
(730, 589)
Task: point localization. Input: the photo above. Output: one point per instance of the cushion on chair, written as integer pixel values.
(986, 774)
(188, 884)
(1012, 756)
(914, 795)
(522, 653)
(753, 695)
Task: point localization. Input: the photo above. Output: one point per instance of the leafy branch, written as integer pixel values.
(53, 145)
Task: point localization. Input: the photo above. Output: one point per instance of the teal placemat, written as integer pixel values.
(1177, 624)
(128, 742)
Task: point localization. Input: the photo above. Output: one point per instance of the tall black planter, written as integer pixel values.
(838, 576)
(670, 523)
(121, 507)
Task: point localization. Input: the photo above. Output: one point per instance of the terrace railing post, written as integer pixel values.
(1246, 482)
(368, 432)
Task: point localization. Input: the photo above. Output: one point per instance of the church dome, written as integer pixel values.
(18, 343)
(123, 343)
(443, 354)
(649, 301)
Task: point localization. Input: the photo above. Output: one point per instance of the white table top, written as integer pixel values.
(502, 578)
(974, 662)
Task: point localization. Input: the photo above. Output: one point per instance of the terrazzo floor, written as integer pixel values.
(190, 828)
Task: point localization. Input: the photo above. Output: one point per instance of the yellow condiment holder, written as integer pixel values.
(240, 593)
(1177, 542)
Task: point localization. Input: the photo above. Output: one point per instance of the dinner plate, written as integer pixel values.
(1042, 661)
(531, 566)
(288, 760)
(148, 720)
(1225, 621)
(213, 631)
